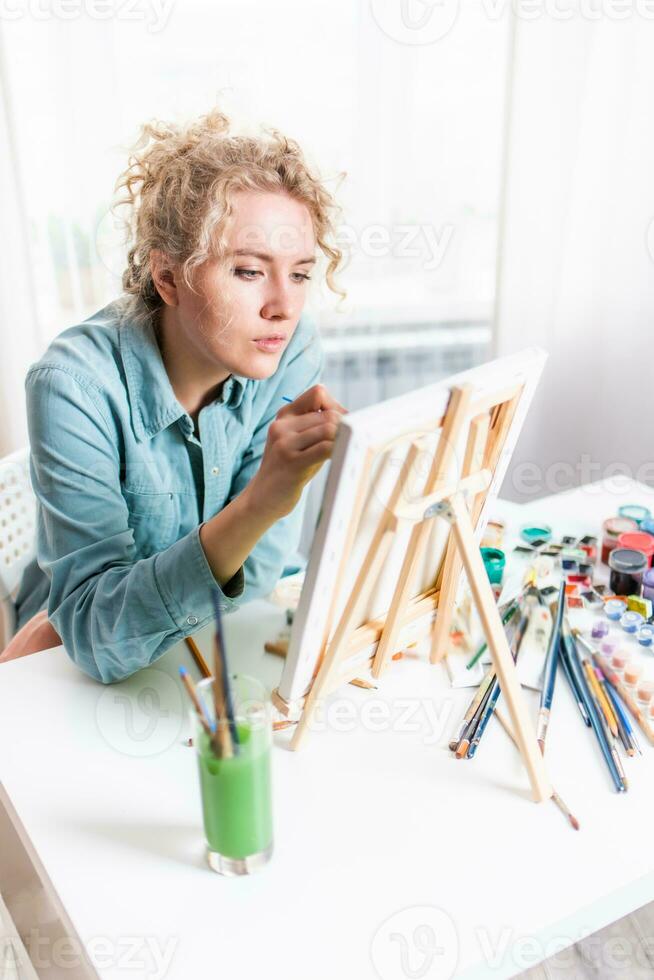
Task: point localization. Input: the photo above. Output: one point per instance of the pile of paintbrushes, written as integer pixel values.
(508, 613)
(515, 618)
(484, 703)
(603, 700)
(605, 704)
(221, 729)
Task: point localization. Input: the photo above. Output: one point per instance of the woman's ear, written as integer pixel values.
(164, 277)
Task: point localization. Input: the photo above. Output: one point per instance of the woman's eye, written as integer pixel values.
(252, 274)
(247, 273)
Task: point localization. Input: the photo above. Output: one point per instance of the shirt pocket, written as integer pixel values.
(152, 518)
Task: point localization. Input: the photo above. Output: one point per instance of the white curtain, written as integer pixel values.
(416, 127)
(19, 330)
(577, 270)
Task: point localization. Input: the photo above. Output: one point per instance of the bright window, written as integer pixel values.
(417, 128)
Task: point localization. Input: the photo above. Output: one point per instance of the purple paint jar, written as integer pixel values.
(600, 629)
(648, 584)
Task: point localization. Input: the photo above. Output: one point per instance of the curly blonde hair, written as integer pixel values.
(178, 190)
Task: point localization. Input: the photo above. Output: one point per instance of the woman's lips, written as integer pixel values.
(270, 344)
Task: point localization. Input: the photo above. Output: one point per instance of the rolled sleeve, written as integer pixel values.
(185, 583)
(115, 612)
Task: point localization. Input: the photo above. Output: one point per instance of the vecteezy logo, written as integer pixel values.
(415, 21)
(142, 717)
(418, 942)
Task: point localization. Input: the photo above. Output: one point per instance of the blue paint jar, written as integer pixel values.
(647, 525)
(631, 621)
(635, 512)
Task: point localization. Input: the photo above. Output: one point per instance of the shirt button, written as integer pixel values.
(192, 620)
(215, 470)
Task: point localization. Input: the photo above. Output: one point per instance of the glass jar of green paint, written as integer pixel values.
(236, 789)
(494, 562)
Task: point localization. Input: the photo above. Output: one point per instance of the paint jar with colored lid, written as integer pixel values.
(627, 568)
(600, 629)
(619, 660)
(648, 584)
(631, 621)
(645, 635)
(536, 534)
(638, 541)
(632, 673)
(494, 562)
(645, 692)
(608, 647)
(635, 512)
(647, 525)
(614, 609)
(612, 528)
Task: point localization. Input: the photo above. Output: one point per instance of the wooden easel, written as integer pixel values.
(459, 503)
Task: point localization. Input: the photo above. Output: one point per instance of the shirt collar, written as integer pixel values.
(152, 400)
(233, 390)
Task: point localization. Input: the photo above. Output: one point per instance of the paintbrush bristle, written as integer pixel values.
(279, 726)
(564, 809)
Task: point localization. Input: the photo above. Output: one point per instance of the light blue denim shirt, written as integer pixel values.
(123, 485)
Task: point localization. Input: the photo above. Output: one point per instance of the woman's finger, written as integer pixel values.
(319, 453)
(298, 423)
(300, 441)
(316, 399)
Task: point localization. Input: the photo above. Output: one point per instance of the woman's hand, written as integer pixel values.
(299, 441)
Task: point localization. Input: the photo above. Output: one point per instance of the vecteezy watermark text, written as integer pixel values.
(422, 941)
(425, 717)
(146, 957)
(419, 22)
(153, 13)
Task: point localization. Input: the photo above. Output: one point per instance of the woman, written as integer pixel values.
(173, 432)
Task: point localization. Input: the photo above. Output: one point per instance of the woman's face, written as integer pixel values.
(241, 316)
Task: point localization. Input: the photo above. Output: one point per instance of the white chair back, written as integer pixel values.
(17, 533)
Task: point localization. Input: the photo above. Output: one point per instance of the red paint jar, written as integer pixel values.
(612, 528)
(638, 541)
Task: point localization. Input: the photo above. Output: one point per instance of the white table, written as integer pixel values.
(377, 832)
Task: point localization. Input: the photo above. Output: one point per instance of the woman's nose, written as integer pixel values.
(278, 303)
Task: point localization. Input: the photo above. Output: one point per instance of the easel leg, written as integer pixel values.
(443, 457)
(369, 572)
(474, 460)
(499, 648)
(443, 622)
(371, 567)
